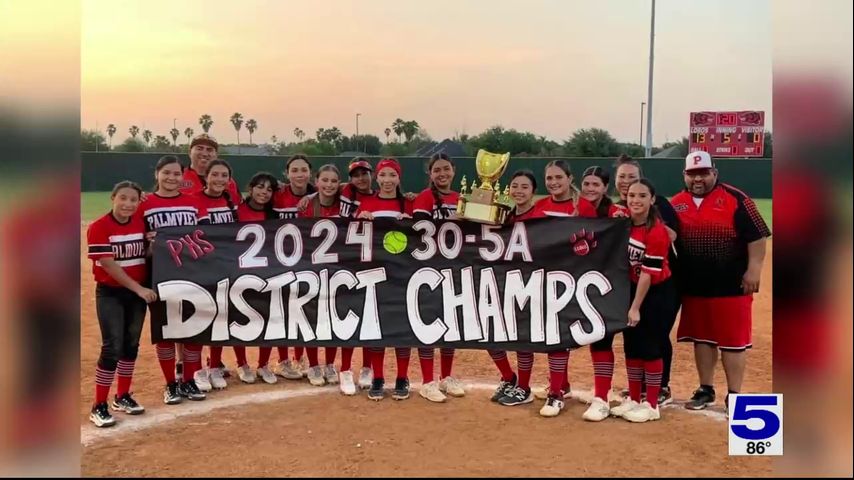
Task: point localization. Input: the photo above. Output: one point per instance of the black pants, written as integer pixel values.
(667, 353)
(121, 314)
(648, 339)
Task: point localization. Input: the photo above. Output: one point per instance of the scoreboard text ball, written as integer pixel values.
(728, 134)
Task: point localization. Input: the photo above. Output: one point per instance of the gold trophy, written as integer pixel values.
(486, 203)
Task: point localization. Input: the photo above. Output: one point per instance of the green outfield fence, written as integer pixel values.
(102, 170)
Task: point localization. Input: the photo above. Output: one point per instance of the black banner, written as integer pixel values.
(536, 286)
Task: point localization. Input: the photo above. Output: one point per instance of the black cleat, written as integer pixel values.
(401, 389)
(665, 397)
(101, 417)
(376, 391)
(191, 391)
(127, 404)
(504, 388)
(516, 396)
(703, 397)
(172, 394)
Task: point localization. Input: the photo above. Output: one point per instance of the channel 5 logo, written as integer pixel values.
(756, 424)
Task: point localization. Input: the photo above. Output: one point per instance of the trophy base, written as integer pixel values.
(493, 214)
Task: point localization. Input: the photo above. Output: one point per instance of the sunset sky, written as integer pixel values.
(549, 67)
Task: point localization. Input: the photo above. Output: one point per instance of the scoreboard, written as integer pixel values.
(728, 134)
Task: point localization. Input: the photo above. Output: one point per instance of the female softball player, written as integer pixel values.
(437, 202)
(388, 203)
(117, 249)
(652, 292)
(168, 207)
(523, 184)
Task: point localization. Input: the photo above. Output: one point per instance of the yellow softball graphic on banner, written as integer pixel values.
(394, 242)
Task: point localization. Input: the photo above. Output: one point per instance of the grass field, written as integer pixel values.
(95, 204)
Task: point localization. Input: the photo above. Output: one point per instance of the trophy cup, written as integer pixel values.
(485, 203)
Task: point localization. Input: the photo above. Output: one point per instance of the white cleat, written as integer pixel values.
(302, 366)
(245, 373)
(266, 375)
(217, 379)
(366, 377)
(202, 378)
(597, 411)
(624, 407)
(642, 413)
(289, 370)
(552, 407)
(452, 387)
(315, 376)
(431, 392)
(330, 374)
(346, 384)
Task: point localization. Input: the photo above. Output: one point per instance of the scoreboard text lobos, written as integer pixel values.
(728, 134)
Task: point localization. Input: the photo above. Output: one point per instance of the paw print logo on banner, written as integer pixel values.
(582, 242)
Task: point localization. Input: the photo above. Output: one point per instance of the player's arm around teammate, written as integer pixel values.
(116, 244)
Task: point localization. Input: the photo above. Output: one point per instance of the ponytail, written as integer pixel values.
(401, 200)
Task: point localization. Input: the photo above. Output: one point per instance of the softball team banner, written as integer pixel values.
(535, 286)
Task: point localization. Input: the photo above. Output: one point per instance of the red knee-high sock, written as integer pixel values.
(653, 369)
(298, 353)
(125, 374)
(558, 362)
(447, 361)
(524, 363)
(377, 361)
(264, 356)
(425, 358)
(634, 370)
(312, 356)
(402, 355)
(216, 356)
(603, 372)
(500, 359)
(366, 357)
(240, 354)
(103, 382)
(330, 354)
(283, 353)
(192, 360)
(346, 358)
(166, 357)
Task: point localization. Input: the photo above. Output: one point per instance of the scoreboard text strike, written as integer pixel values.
(728, 134)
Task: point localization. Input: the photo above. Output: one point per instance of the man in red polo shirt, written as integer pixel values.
(721, 249)
(203, 150)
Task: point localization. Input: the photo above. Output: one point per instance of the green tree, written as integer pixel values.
(634, 150)
(591, 142)
(236, 120)
(92, 141)
(387, 132)
(680, 151)
(206, 122)
(395, 149)
(410, 128)
(134, 131)
(147, 135)
(768, 149)
(161, 144)
(497, 139)
(251, 126)
(397, 127)
(189, 134)
(299, 134)
(175, 133)
(131, 145)
(111, 130)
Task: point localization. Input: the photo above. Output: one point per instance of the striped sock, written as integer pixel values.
(558, 362)
(524, 363)
(500, 359)
(446, 364)
(192, 360)
(425, 358)
(634, 370)
(603, 372)
(125, 373)
(653, 370)
(103, 382)
(377, 361)
(166, 357)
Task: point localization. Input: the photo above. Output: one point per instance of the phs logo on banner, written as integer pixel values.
(756, 424)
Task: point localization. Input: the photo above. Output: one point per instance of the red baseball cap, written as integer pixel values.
(359, 164)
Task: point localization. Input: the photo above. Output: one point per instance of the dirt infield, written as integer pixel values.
(317, 432)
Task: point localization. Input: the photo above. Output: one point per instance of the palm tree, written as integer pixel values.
(251, 126)
(410, 128)
(397, 128)
(146, 135)
(111, 130)
(387, 133)
(299, 134)
(206, 122)
(134, 131)
(189, 133)
(237, 120)
(174, 132)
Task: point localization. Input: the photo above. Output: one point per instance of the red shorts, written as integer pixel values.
(725, 322)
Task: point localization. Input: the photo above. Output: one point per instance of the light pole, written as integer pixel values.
(648, 150)
(640, 137)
